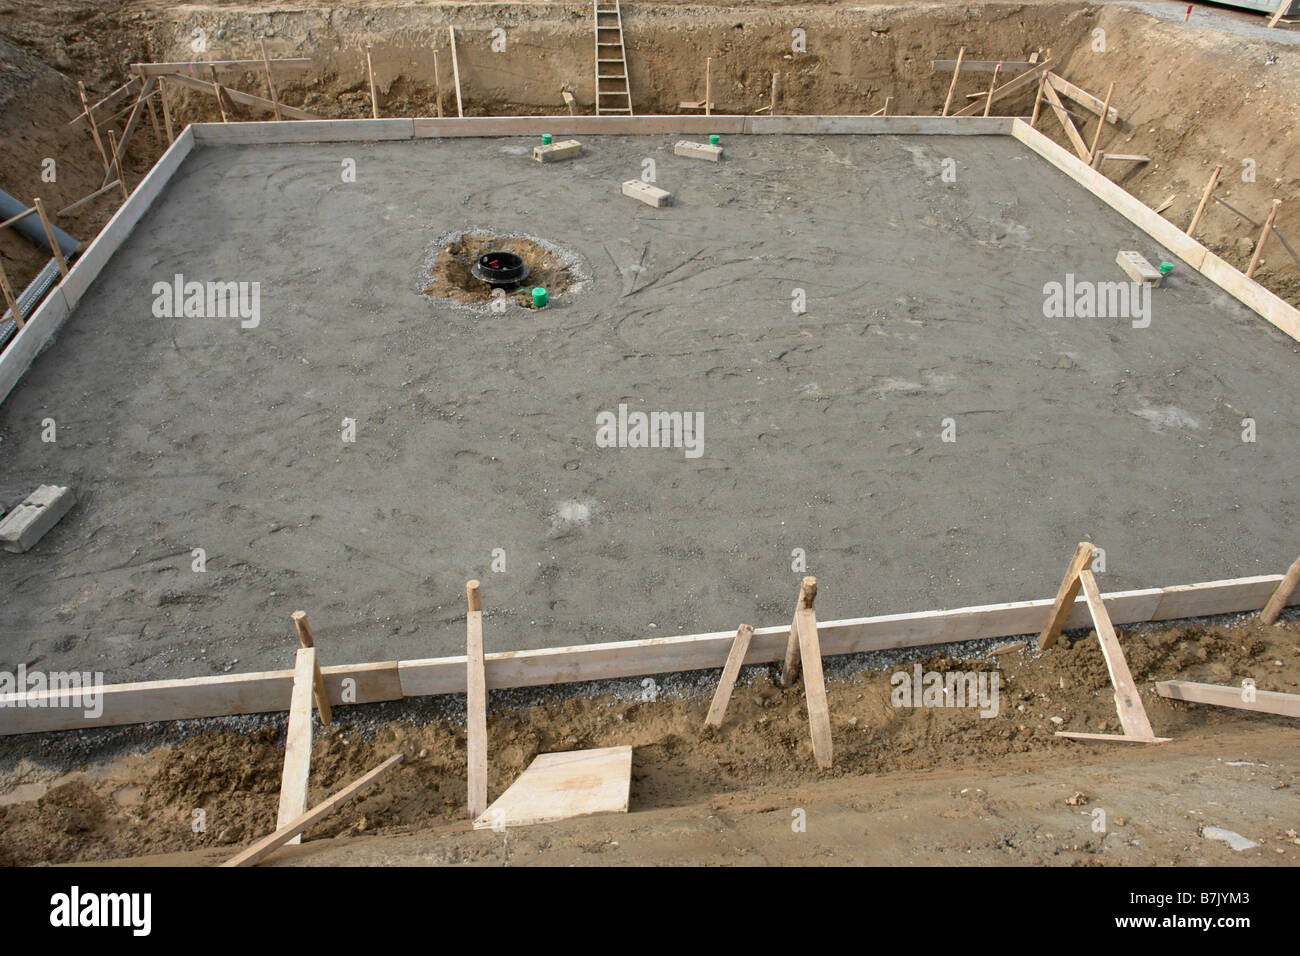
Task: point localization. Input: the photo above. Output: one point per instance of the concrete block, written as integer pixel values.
(697, 150)
(557, 151)
(37, 514)
(650, 195)
(1137, 267)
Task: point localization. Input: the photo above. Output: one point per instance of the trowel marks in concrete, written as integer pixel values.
(475, 435)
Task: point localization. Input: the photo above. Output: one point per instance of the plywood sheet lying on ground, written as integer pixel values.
(563, 785)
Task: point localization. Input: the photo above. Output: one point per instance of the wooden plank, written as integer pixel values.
(1264, 702)
(980, 66)
(1101, 126)
(475, 702)
(105, 107)
(1081, 96)
(1281, 11)
(238, 96)
(879, 125)
(1067, 124)
(576, 125)
(195, 67)
(559, 786)
(1233, 281)
(1024, 81)
(1286, 588)
(297, 743)
(1112, 738)
(265, 692)
(1132, 715)
(1127, 158)
(1065, 595)
(69, 210)
(265, 846)
(730, 670)
(302, 131)
(318, 691)
(814, 686)
(807, 596)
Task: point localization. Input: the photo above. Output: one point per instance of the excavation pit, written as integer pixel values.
(825, 432)
(461, 269)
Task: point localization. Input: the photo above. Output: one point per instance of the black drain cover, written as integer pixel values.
(501, 269)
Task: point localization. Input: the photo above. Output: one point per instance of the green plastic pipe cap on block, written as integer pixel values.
(546, 139)
(540, 298)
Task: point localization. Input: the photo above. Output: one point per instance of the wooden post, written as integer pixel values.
(10, 299)
(772, 111)
(953, 86)
(735, 658)
(1285, 588)
(1095, 159)
(455, 69)
(318, 681)
(1065, 595)
(216, 88)
(475, 703)
(814, 686)
(437, 83)
(1263, 237)
(167, 113)
(153, 120)
(374, 99)
(94, 127)
(1205, 197)
(297, 743)
(117, 165)
(708, 85)
(807, 595)
(49, 234)
(1038, 99)
(270, 83)
(988, 104)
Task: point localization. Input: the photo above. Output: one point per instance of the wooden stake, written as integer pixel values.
(1128, 703)
(1273, 20)
(1067, 124)
(1260, 701)
(167, 114)
(10, 299)
(735, 658)
(293, 830)
(1065, 595)
(49, 234)
(216, 88)
(455, 69)
(69, 210)
(961, 54)
(814, 686)
(1101, 124)
(1038, 99)
(1285, 588)
(270, 83)
(888, 101)
(772, 111)
(1263, 237)
(437, 84)
(708, 85)
(117, 165)
(94, 127)
(1205, 197)
(297, 743)
(988, 104)
(475, 703)
(318, 680)
(374, 98)
(29, 211)
(807, 595)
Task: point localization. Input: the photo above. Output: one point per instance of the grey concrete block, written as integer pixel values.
(650, 195)
(697, 150)
(557, 151)
(38, 513)
(1138, 268)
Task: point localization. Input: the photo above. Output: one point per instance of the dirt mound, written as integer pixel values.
(147, 803)
(550, 268)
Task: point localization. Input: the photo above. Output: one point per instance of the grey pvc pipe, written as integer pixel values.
(31, 228)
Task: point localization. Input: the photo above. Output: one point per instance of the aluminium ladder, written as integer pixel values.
(613, 92)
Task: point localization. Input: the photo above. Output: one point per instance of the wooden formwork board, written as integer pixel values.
(268, 691)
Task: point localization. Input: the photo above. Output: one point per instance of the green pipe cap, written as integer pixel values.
(540, 298)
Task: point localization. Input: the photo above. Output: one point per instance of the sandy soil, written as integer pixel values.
(979, 789)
